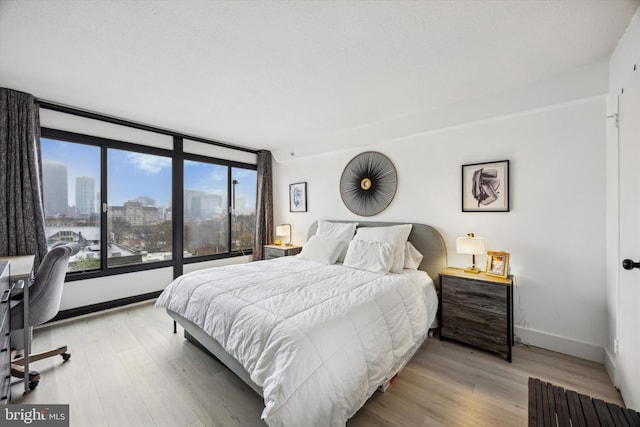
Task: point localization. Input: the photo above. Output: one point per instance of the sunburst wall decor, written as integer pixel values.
(368, 183)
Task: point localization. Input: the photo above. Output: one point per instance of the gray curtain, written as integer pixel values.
(21, 199)
(264, 205)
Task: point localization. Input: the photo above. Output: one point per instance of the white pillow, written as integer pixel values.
(396, 235)
(412, 256)
(343, 231)
(376, 257)
(321, 249)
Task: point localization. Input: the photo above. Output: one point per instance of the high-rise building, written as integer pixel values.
(200, 205)
(145, 200)
(241, 205)
(85, 195)
(133, 213)
(56, 189)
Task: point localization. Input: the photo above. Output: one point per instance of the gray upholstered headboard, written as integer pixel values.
(424, 237)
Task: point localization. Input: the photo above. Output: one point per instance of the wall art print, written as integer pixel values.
(485, 187)
(298, 197)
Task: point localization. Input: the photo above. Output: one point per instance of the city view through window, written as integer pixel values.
(139, 189)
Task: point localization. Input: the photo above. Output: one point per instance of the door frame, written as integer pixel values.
(633, 80)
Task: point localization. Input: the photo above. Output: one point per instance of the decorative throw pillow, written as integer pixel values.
(412, 256)
(342, 231)
(395, 235)
(376, 257)
(321, 249)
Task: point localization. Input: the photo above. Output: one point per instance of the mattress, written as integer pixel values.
(318, 339)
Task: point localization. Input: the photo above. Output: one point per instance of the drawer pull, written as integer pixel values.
(5, 296)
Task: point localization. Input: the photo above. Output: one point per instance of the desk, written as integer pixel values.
(21, 266)
(5, 345)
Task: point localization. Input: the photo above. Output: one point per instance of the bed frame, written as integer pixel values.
(424, 237)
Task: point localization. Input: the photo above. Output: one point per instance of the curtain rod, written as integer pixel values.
(48, 105)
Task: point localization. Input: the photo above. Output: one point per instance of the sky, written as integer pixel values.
(132, 175)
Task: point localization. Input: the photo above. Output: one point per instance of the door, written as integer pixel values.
(629, 287)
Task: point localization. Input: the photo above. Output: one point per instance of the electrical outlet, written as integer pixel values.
(616, 346)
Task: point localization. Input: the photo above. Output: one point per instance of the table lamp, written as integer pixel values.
(284, 230)
(470, 245)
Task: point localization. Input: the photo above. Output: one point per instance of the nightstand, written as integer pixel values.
(277, 251)
(477, 309)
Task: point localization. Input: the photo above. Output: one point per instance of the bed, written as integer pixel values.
(314, 339)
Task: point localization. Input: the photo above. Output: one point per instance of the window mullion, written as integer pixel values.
(104, 210)
(229, 210)
(177, 208)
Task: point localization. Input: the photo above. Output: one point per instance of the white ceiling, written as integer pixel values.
(294, 75)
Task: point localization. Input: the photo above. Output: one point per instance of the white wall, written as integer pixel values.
(623, 59)
(555, 231)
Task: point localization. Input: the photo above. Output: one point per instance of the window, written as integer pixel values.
(135, 229)
(118, 198)
(139, 214)
(205, 208)
(219, 208)
(243, 208)
(71, 184)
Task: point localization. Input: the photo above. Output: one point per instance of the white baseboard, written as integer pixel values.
(560, 344)
(611, 366)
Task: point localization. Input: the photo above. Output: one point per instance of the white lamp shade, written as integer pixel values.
(470, 245)
(282, 230)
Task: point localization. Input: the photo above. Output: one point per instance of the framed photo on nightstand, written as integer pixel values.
(497, 264)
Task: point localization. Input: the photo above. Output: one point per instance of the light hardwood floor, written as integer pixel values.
(128, 369)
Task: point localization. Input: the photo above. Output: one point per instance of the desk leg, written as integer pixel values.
(26, 335)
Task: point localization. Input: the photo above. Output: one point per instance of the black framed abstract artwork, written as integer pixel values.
(298, 197)
(485, 187)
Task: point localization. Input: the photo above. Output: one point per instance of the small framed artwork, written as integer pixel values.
(485, 187)
(298, 197)
(497, 264)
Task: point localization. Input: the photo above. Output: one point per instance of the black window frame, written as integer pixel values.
(230, 164)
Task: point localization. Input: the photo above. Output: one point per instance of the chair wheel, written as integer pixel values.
(66, 356)
(33, 384)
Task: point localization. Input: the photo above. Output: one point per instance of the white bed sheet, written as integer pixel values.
(319, 339)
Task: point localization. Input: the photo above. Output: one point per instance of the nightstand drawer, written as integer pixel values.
(490, 297)
(270, 253)
(476, 327)
(276, 251)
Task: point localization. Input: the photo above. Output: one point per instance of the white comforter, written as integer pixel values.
(318, 339)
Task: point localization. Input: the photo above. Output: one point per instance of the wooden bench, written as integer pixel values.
(550, 405)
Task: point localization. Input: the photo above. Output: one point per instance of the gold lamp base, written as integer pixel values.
(472, 270)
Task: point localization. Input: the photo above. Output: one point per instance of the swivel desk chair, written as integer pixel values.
(43, 302)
